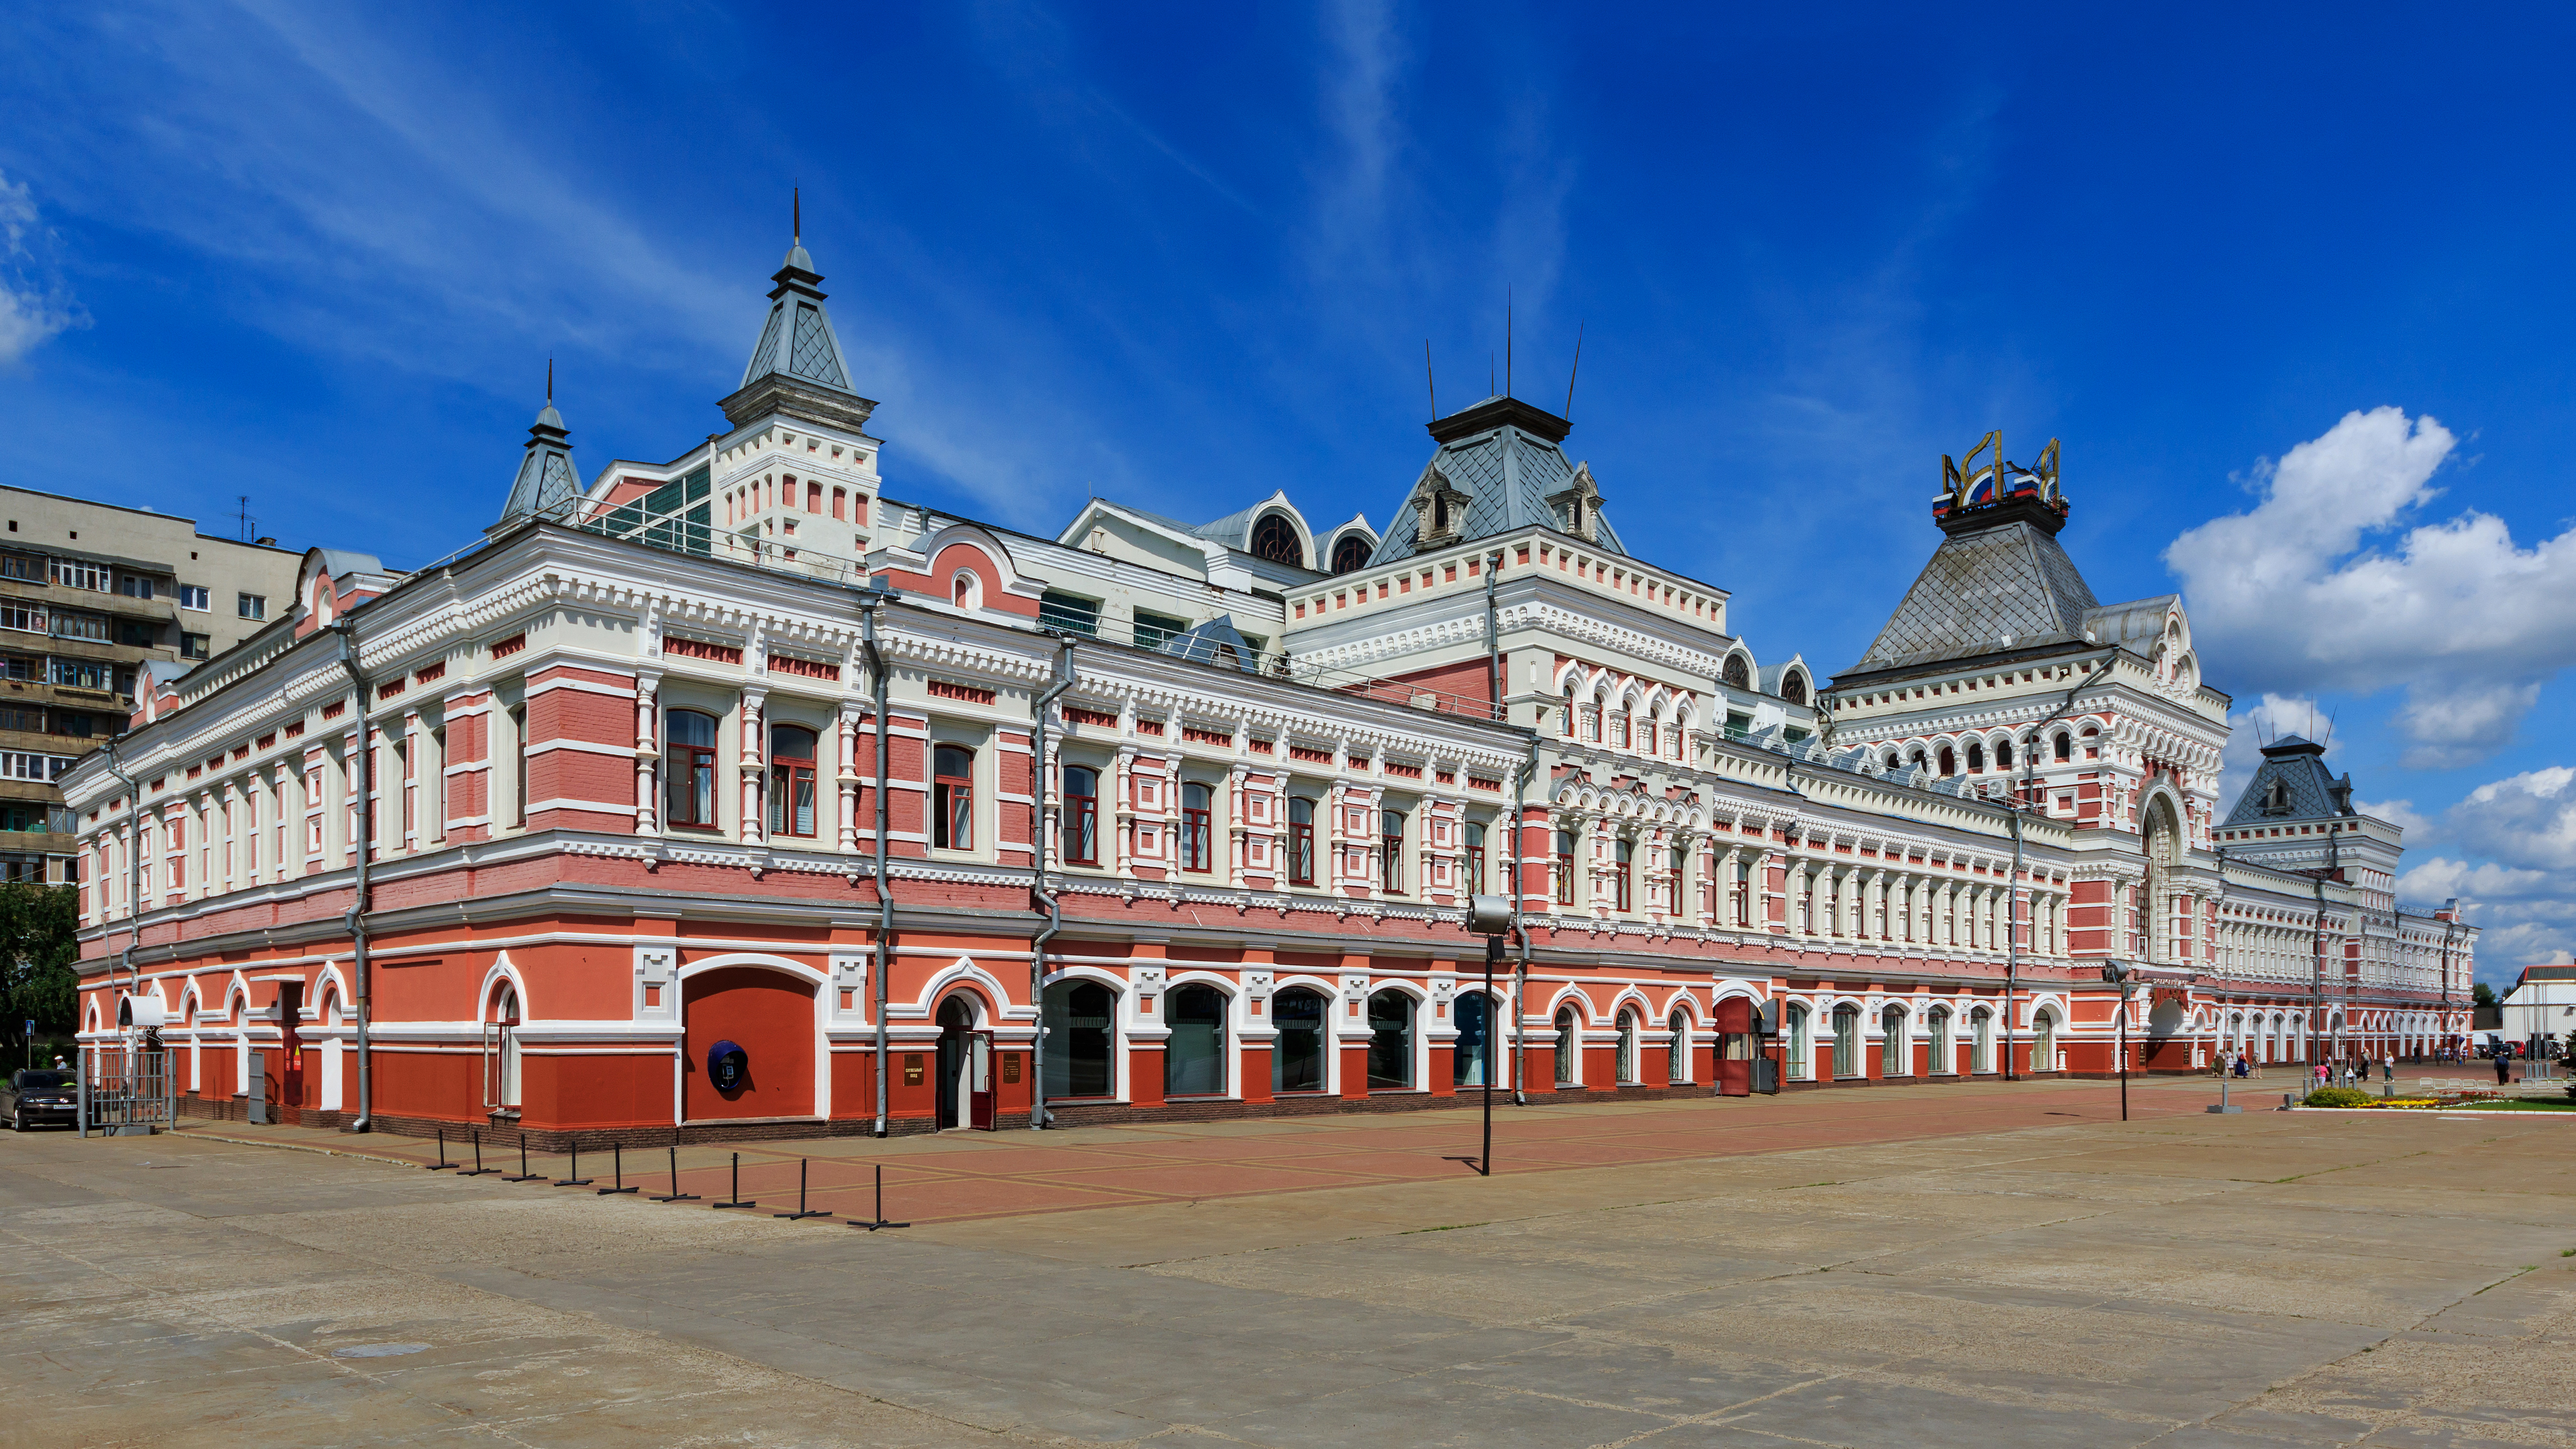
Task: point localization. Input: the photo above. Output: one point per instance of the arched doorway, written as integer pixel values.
(965, 1065)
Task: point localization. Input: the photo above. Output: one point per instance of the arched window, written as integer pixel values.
(1081, 815)
(1894, 1053)
(1627, 1046)
(1846, 1040)
(1301, 841)
(1474, 883)
(1565, 868)
(1793, 687)
(1737, 675)
(952, 798)
(1297, 1062)
(1569, 1061)
(1078, 1040)
(1194, 1054)
(689, 769)
(1390, 840)
(2003, 754)
(1677, 1052)
(1472, 1064)
(1351, 554)
(791, 780)
(1621, 882)
(1195, 854)
(2065, 747)
(1949, 762)
(1275, 539)
(1976, 757)
(1390, 1050)
(1801, 1057)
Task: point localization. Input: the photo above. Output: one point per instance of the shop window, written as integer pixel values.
(689, 769)
(791, 781)
(1390, 1050)
(1194, 1053)
(1297, 1063)
(952, 798)
(1081, 815)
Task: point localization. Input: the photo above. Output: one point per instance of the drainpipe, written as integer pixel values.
(1043, 891)
(885, 896)
(1520, 972)
(361, 985)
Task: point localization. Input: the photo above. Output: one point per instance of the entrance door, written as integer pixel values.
(1735, 1047)
(979, 1080)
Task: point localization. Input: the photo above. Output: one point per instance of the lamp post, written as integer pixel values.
(2126, 978)
(1491, 918)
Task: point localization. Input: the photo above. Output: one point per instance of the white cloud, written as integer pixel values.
(32, 308)
(2469, 621)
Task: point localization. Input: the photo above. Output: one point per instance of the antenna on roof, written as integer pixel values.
(1577, 371)
(1428, 384)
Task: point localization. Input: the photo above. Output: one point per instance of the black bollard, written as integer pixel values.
(675, 1195)
(617, 1158)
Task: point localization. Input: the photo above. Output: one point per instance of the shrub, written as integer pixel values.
(2337, 1097)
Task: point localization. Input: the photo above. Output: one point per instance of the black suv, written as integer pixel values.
(32, 1096)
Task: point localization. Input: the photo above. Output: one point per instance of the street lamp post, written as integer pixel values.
(1491, 918)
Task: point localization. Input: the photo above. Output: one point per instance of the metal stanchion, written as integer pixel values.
(675, 1195)
(739, 1201)
(617, 1157)
(879, 1221)
(801, 1212)
(524, 1174)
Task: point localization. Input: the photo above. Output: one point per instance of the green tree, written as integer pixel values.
(2482, 994)
(38, 944)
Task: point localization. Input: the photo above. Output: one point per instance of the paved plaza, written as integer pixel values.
(1987, 1264)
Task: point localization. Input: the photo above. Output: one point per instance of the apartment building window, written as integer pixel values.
(197, 597)
(952, 791)
(1475, 880)
(1195, 854)
(71, 573)
(1564, 868)
(252, 606)
(196, 646)
(22, 617)
(689, 769)
(80, 626)
(791, 780)
(1390, 836)
(1301, 841)
(1070, 613)
(134, 586)
(1081, 815)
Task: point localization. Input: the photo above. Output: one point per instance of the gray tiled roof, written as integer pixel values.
(1507, 475)
(2007, 587)
(2308, 786)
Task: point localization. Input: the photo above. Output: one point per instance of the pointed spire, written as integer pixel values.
(798, 359)
(548, 485)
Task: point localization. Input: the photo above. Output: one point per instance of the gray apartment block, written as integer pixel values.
(91, 593)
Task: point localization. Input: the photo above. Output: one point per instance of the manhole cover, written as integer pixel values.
(378, 1350)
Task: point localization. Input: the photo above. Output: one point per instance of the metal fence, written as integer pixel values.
(125, 1091)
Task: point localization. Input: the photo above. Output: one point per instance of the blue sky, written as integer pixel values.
(2302, 270)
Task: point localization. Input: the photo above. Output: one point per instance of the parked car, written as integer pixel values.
(33, 1095)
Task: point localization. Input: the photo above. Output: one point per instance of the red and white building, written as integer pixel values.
(1182, 819)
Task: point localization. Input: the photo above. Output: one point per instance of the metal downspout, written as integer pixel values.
(361, 983)
(885, 896)
(1054, 908)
